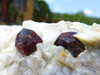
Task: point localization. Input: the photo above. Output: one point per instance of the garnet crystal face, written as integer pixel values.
(69, 42)
(26, 41)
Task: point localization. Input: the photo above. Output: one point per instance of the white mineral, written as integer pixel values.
(49, 59)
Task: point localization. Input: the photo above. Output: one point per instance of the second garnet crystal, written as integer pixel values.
(69, 42)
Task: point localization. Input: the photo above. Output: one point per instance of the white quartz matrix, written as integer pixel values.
(50, 59)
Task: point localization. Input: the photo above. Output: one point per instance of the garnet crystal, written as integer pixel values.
(26, 41)
(69, 42)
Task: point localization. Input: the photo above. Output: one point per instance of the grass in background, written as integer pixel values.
(79, 17)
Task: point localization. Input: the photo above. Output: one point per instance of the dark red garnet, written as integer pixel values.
(26, 41)
(69, 42)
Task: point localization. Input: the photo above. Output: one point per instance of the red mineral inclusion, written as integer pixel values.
(69, 42)
(26, 41)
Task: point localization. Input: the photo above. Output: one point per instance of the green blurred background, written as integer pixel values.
(15, 11)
